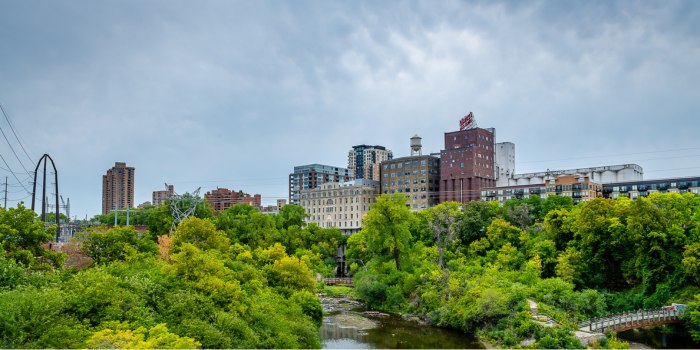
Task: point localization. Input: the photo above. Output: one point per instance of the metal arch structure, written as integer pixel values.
(43, 195)
(178, 214)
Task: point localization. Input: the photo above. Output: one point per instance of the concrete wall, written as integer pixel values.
(603, 174)
(505, 162)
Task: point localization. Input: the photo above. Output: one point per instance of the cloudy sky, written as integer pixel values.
(236, 93)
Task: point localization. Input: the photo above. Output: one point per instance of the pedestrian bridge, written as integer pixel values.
(344, 281)
(620, 322)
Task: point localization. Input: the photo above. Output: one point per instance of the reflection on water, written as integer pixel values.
(658, 340)
(393, 332)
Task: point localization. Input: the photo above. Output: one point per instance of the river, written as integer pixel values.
(345, 326)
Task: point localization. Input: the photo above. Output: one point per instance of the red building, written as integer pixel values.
(467, 164)
(221, 198)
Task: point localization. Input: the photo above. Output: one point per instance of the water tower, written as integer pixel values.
(416, 146)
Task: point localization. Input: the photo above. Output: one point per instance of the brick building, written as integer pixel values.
(221, 198)
(118, 188)
(159, 197)
(467, 164)
(581, 188)
(312, 176)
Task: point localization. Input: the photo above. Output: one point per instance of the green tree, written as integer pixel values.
(476, 217)
(442, 221)
(386, 226)
(604, 241)
(23, 237)
(291, 215)
(105, 246)
(201, 233)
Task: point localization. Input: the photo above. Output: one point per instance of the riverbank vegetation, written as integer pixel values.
(474, 269)
(242, 280)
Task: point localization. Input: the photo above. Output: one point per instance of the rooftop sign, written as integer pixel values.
(468, 122)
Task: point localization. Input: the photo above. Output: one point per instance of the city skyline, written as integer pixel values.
(199, 96)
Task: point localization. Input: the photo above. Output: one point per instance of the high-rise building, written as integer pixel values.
(118, 188)
(159, 197)
(221, 198)
(467, 164)
(417, 176)
(364, 161)
(312, 176)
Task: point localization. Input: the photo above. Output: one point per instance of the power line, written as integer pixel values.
(612, 155)
(13, 151)
(13, 131)
(13, 173)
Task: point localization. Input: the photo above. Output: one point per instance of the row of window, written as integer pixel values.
(661, 186)
(415, 172)
(334, 194)
(339, 224)
(407, 182)
(635, 195)
(415, 189)
(335, 209)
(336, 201)
(407, 164)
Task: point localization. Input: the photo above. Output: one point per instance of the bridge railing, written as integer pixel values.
(633, 319)
(338, 280)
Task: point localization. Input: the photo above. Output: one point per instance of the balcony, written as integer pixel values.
(663, 187)
(624, 189)
(642, 187)
(535, 191)
(576, 187)
(557, 189)
(683, 185)
(576, 195)
(518, 191)
(490, 193)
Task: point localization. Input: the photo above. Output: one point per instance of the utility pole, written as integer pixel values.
(5, 192)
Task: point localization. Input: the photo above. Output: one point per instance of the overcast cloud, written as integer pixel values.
(235, 94)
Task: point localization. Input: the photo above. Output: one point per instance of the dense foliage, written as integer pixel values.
(576, 261)
(209, 285)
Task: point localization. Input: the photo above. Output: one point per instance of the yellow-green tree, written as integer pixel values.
(386, 226)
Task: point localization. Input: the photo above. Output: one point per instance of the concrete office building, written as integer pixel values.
(364, 161)
(340, 204)
(221, 199)
(581, 188)
(118, 188)
(417, 176)
(159, 197)
(642, 188)
(312, 176)
(467, 164)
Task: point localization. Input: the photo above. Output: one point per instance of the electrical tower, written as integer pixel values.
(44, 199)
(188, 202)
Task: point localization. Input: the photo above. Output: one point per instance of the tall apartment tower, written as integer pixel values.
(364, 161)
(467, 164)
(118, 188)
(312, 176)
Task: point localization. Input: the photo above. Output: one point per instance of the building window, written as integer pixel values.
(407, 164)
(400, 165)
(393, 174)
(461, 165)
(392, 183)
(386, 175)
(422, 162)
(400, 173)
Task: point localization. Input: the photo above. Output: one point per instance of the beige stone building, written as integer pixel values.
(340, 204)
